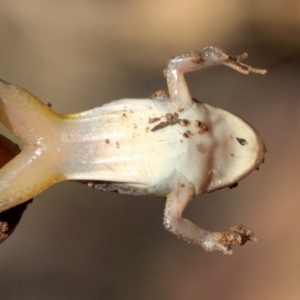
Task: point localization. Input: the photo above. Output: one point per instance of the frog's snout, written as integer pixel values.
(238, 149)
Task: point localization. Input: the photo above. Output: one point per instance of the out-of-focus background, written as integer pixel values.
(78, 243)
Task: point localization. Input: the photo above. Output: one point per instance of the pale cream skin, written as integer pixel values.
(169, 145)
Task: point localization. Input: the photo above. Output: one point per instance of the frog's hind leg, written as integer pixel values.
(25, 176)
(34, 169)
(177, 200)
(23, 114)
(196, 60)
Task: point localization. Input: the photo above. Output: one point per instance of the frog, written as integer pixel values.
(168, 145)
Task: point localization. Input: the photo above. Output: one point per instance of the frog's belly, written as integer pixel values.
(141, 161)
(115, 143)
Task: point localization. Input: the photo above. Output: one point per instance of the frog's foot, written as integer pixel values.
(206, 57)
(196, 60)
(223, 241)
(210, 56)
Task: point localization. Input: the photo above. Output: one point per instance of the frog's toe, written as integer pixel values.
(223, 241)
(236, 235)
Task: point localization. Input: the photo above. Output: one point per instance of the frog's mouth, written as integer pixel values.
(237, 151)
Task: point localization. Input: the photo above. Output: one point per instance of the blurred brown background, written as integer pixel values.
(77, 243)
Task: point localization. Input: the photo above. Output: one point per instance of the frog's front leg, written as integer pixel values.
(177, 200)
(196, 60)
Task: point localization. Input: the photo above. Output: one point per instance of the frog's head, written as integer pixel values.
(237, 149)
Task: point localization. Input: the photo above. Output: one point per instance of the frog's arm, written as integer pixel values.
(196, 60)
(177, 200)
